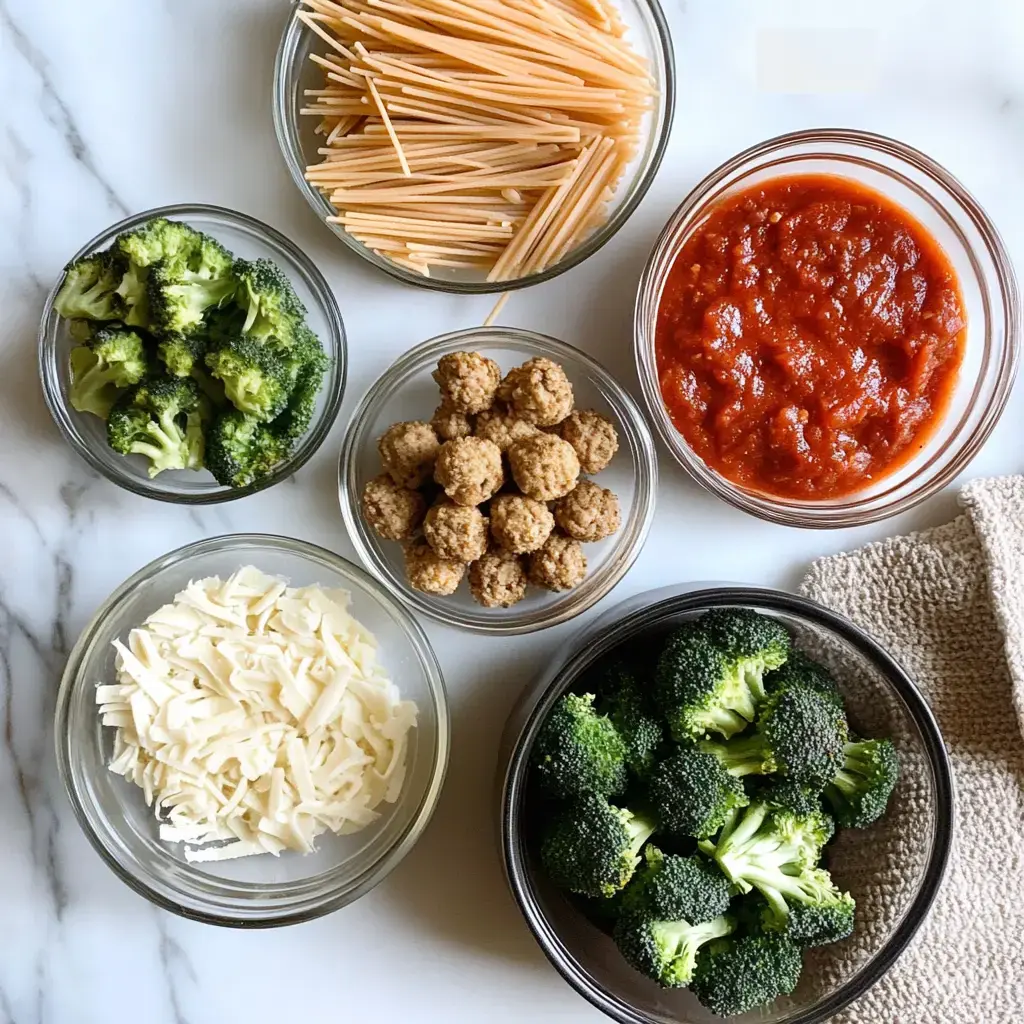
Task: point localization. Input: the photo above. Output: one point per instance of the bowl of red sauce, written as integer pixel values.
(827, 330)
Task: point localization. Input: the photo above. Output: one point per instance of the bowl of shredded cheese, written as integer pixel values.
(252, 732)
(474, 147)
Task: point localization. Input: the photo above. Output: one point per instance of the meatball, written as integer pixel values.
(538, 391)
(594, 438)
(455, 531)
(408, 451)
(429, 572)
(520, 524)
(588, 512)
(469, 469)
(559, 565)
(544, 466)
(449, 424)
(502, 427)
(394, 512)
(498, 579)
(467, 381)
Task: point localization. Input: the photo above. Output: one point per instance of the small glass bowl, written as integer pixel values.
(245, 237)
(406, 391)
(294, 72)
(945, 208)
(261, 891)
(894, 869)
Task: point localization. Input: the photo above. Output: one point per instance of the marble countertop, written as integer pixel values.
(188, 83)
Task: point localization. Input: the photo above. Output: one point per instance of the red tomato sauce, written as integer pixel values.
(809, 337)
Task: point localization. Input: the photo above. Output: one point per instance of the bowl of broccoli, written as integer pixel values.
(192, 354)
(724, 803)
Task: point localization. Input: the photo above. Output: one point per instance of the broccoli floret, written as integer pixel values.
(601, 911)
(271, 305)
(112, 358)
(753, 644)
(666, 950)
(734, 975)
(697, 690)
(90, 288)
(241, 450)
(159, 241)
(787, 795)
(592, 847)
(672, 888)
(860, 791)
(800, 735)
(579, 751)
(800, 670)
(255, 379)
(152, 420)
(179, 296)
(622, 700)
(182, 353)
(694, 794)
(298, 413)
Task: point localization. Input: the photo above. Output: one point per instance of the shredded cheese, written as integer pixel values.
(256, 716)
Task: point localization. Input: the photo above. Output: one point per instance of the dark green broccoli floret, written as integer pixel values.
(112, 358)
(753, 644)
(666, 950)
(181, 353)
(697, 690)
(800, 670)
(271, 305)
(179, 296)
(860, 791)
(256, 380)
(800, 735)
(298, 413)
(152, 420)
(579, 751)
(694, 794)
(623, 701)
(90, 288)
(592, 847)
(672, 888)
(788, 795)
(241, 450)
(734, 975)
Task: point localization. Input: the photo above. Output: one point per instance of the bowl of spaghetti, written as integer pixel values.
(476, 147)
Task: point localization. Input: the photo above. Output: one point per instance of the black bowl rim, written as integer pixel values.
(513, 787)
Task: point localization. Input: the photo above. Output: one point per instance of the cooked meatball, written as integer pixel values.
(544, 466)
(449, 424)
(538, 391)
(467, 381)
(469, 469)
(502, 427)
(594, 438)
(429, 572)
(408, 451)
(559, 565)
(520, 524)
(394, 512)
(455, 531)
(588, 512)
(498, 579)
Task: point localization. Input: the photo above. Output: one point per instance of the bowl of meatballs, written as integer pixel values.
(498, 480)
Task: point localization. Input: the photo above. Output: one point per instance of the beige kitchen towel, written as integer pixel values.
(949, 604)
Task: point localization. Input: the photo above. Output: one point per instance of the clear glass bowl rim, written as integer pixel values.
(513, 783)
(288, 135)
(427, 352)
(335, 381)
(850, 511)
(334, 899)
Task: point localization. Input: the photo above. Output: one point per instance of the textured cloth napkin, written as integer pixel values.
(949, 604)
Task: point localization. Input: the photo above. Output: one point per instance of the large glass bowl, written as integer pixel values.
(406, 391)
(948, 211)
(246, 237)
(264, 890)
(294, 73)
(893, 869)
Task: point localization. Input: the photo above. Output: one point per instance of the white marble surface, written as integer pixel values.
(119, 105)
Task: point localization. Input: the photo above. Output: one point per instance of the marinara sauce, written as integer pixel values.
(809, 337)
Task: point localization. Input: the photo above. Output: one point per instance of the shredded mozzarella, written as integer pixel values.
(256, 716)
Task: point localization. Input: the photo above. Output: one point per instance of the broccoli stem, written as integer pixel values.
(744, 756)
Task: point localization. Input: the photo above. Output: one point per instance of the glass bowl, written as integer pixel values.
(406, 391)
(945, 208)
(893, 869)
(245, 237)
(260, 891)
(294, 73)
